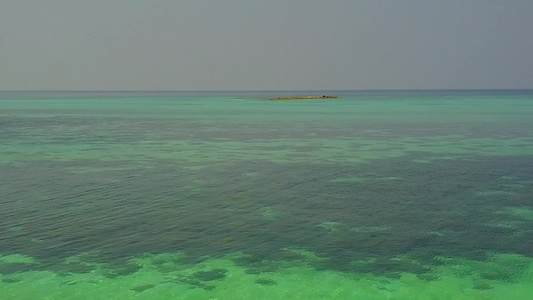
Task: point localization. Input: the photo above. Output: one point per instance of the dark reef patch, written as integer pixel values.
(265, 281)
(214, 274)
(10, 280)
(16, 267)
(142, 288)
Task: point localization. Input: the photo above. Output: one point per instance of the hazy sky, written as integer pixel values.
(262, 45)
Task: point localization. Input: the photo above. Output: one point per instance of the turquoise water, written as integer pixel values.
(226, 195)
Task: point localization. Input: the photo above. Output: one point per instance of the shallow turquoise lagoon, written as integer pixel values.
(227, 195)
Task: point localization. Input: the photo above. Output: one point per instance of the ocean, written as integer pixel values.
(228, 195)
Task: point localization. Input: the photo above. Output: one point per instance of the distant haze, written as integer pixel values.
(264, 45)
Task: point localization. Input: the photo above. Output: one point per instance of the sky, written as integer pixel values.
(265, 45)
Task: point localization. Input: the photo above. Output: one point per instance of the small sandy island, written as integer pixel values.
(306, 98)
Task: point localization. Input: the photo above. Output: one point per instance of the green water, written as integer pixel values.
(377, 195)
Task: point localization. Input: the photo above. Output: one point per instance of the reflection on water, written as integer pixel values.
(155, 199)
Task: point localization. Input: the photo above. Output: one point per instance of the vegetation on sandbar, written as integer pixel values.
(306, 97)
